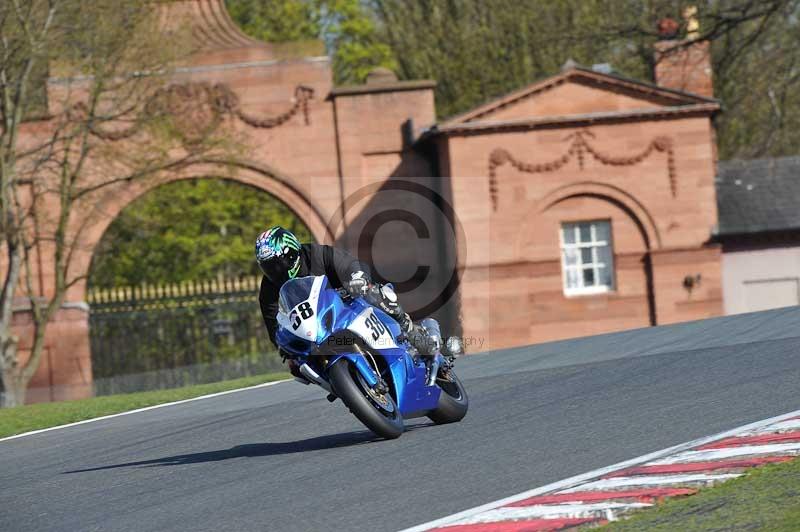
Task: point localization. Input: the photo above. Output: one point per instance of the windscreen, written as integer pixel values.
(294, 292)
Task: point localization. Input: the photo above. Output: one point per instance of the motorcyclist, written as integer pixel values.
(281, 257)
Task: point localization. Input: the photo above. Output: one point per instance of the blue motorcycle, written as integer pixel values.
(357, 353)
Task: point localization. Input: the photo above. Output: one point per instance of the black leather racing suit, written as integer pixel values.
(338, 266)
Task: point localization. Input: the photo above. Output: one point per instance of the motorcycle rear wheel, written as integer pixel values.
(350, 387)
(453, 401)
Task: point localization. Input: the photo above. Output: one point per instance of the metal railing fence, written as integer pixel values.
(161, 336)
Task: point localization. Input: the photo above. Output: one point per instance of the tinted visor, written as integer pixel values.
(276, 269)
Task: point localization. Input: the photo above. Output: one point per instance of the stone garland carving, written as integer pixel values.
(225, 100)
(200, 106)
(579, 147)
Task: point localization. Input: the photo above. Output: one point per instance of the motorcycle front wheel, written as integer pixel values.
(377, 411)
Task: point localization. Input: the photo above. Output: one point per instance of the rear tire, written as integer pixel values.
(453, 401)
(345, 384)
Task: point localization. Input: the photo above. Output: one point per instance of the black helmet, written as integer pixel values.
(278, 254)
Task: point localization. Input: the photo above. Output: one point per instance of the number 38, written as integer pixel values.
(375, 326)
(302, 312)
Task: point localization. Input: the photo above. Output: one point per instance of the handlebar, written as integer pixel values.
(343, 293)
(346, 295)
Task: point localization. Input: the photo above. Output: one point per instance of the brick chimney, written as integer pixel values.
(684, 66)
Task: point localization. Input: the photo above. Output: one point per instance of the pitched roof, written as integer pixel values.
(577, 74)
(758, 195)
(574, 120)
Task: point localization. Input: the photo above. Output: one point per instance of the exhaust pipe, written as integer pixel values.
(314, 377)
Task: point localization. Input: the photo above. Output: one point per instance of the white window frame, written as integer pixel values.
(578, 245)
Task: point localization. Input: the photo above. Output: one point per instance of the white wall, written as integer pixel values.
(760, 280)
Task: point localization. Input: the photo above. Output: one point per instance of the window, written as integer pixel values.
(587, 258)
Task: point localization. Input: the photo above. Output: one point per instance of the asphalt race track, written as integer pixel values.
(283, 458)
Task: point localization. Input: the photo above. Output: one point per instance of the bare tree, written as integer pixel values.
(85, 108)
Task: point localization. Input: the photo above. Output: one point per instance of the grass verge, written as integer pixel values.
(43, 415)
(766, 498)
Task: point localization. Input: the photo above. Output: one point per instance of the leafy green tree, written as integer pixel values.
(348, 27)
(352, 33)
(480, 49)
(194, 229)
(286, 20)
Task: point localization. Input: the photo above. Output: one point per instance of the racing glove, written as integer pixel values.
(358, 285)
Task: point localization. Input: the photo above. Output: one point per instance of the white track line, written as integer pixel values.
(591, 475)
(31, 433)
(783, 426)
(555, 511)
(729, 452)
(651, 480)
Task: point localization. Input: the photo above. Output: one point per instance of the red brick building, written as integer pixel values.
(600, 205)
(580, 204)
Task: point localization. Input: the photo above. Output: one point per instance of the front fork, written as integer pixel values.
(434, 364)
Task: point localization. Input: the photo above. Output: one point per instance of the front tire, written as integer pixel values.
(348, 386)
(453, 401)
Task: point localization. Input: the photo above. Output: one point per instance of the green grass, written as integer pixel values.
(42, 415)
(766, 498)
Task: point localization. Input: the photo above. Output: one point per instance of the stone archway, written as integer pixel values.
(257, 175)
(66, 372)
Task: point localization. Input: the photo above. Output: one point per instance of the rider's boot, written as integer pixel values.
(424, 336)
(416, 335)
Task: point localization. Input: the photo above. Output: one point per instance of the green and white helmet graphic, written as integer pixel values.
(278, 254)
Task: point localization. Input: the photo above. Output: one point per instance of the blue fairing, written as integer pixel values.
(361, 363)
(330, 321)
